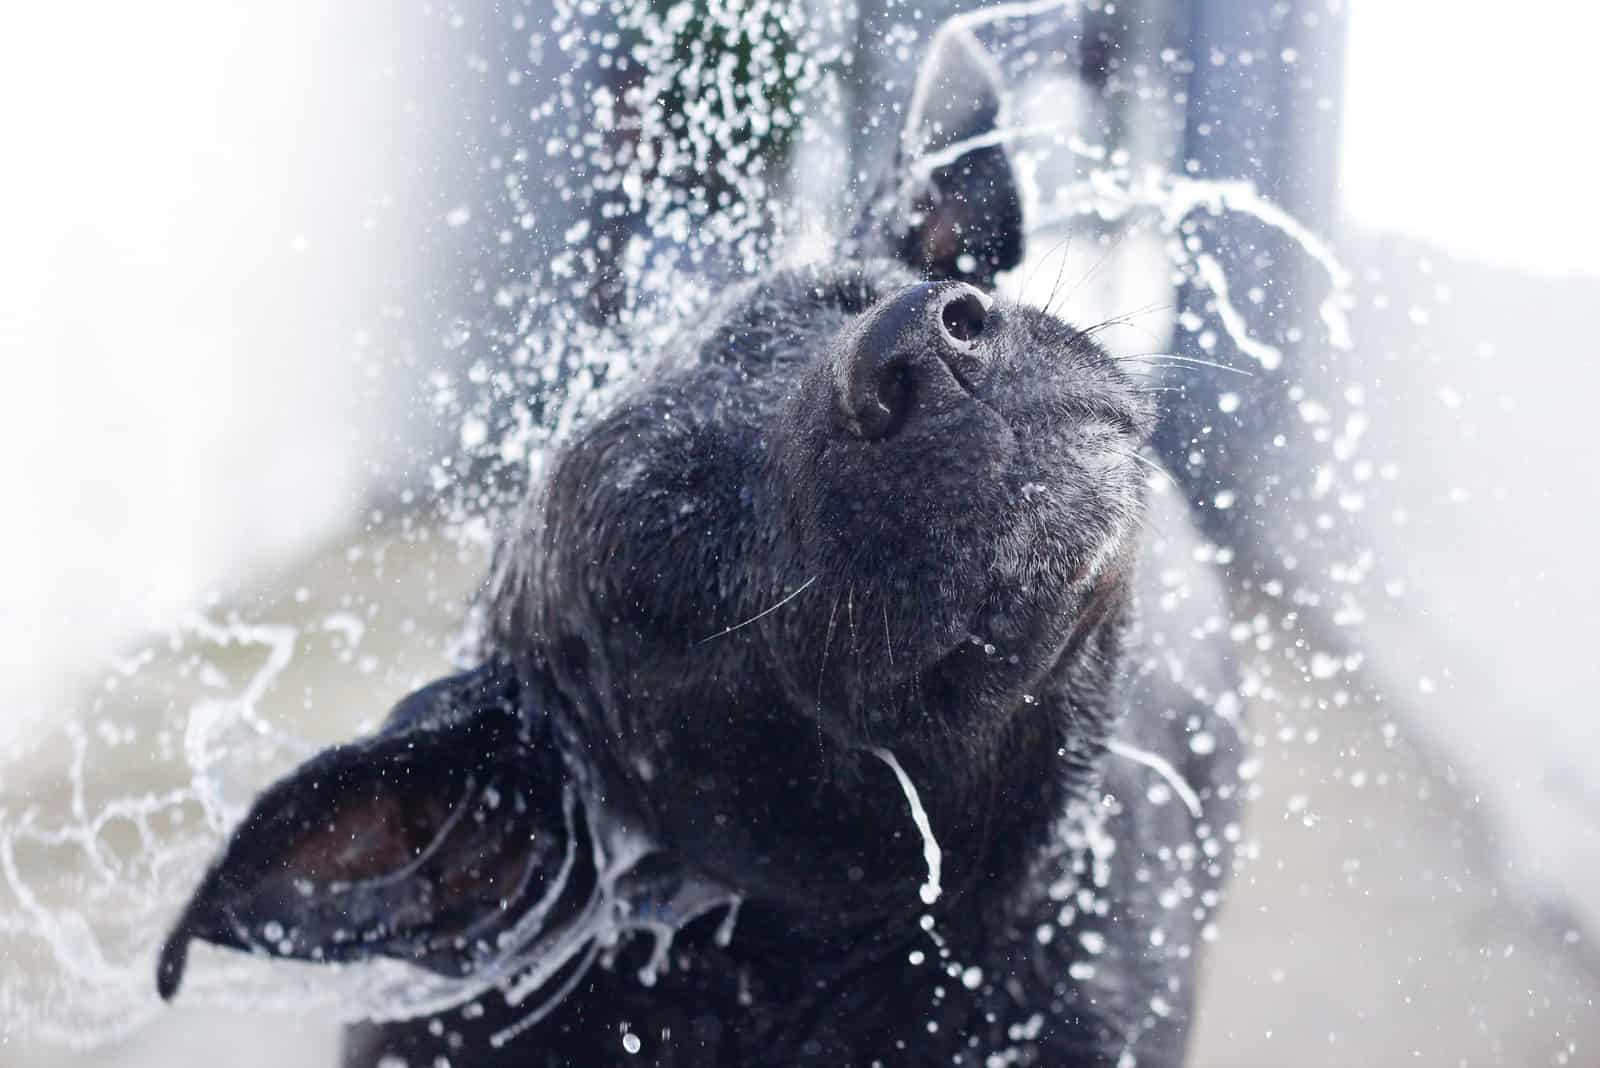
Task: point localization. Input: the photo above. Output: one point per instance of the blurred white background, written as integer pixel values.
(207, 207)
(1466, 125)
(1464, 130)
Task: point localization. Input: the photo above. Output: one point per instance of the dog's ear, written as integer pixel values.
(950, 207)
(424, 842)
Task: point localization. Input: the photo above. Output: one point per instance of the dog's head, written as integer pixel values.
(860, 504)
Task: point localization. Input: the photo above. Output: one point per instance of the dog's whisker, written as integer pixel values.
(762, 614)
(1115, 244)
(1151, 464)
(1157, 357)
(1126, 320)
(888, 642)
(1060, 270)
(1067, 241)
(850, 617)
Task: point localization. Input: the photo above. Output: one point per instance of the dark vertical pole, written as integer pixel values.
(1264, 86)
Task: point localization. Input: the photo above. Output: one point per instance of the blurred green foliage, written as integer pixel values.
(735, 70)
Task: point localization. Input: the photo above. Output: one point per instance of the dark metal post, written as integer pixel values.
(1263, 93)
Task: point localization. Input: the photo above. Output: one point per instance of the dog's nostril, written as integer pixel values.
(894, 400)
(964, 316)
(912, 348)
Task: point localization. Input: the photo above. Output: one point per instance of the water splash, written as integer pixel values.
(932, 855)
(614, 910)
(1162, 767)
(89, 881)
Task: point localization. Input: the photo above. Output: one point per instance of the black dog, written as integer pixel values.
(816, 658)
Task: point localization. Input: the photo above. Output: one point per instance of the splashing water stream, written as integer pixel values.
(932, 855)
(1163, 767)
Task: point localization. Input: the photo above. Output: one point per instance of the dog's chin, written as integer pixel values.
(978, 646)
(1020, 645)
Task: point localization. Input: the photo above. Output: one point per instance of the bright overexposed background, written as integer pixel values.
(1467, 125)
(206, 206)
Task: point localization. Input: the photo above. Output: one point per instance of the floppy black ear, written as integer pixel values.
(950, 207)
(423, 842)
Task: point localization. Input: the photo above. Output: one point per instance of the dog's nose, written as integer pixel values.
(919, 344)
